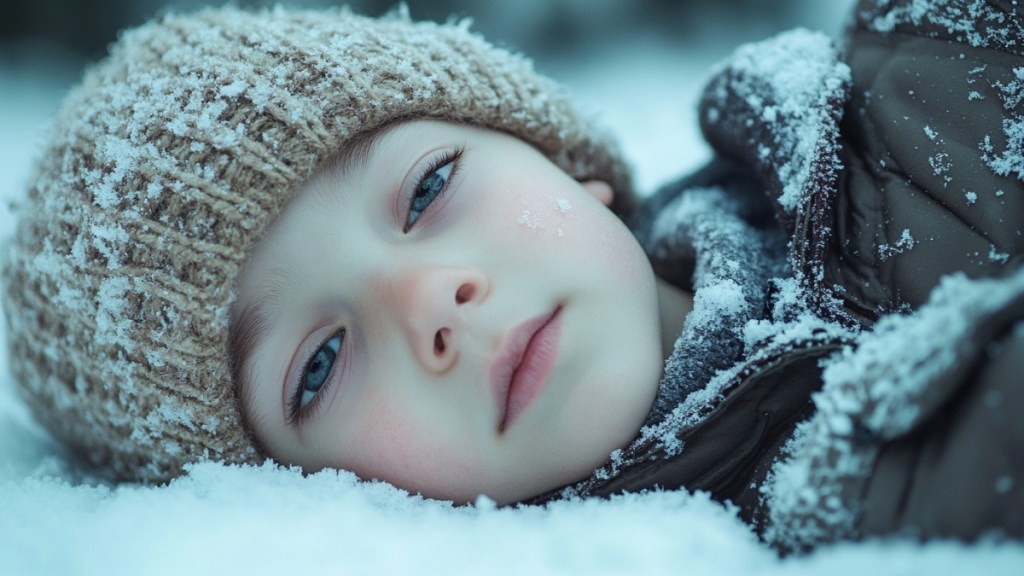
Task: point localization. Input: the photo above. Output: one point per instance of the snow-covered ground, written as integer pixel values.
(270, 520)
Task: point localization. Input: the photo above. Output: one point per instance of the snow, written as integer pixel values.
(268, 519)
(796, 74)
(529, 220)
(869, 390)
(1011, 160)
(980, 24)
(904, 243)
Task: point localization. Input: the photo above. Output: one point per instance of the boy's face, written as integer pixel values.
(451, 313)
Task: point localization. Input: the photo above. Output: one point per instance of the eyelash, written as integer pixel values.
(297, 413)
(442, 159)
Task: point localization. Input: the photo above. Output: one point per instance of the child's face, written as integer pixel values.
(499, 338)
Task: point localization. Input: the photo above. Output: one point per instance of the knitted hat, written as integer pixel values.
(169, 161)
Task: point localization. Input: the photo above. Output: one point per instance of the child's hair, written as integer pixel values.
(169, 161)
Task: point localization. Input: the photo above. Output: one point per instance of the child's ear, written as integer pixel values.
(601, 190)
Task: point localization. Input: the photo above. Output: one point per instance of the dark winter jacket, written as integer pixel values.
(854, 364)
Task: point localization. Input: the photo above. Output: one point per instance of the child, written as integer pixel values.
(384, 246)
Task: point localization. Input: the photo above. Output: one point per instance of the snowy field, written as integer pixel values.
(271, 520)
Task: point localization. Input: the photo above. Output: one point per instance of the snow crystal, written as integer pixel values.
(1011, 160)
(733, 263)
(930, 133)
(941, 165)
(903, 353)
(711, 304)
(108, 240)
(1013, 92)
(153, 190)
(529, 220)
(997, 256)
(485, 504)
(905, 242)
(564, 205)
(971, 197)
(877, 388)
(78, 251)
(234, 89)
(111, 325)
(975, 22)
(796, 76)
(121, 156)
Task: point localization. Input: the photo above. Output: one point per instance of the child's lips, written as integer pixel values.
(525, 360)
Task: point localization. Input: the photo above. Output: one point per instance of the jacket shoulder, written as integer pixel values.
(917, 427)
(932, 151)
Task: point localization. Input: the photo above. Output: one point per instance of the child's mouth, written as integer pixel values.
(528, 356)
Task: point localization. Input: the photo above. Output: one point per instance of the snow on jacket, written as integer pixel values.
(852, 366)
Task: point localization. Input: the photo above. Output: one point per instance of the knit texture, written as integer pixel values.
(167, 163)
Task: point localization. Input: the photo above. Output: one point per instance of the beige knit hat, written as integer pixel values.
(167, 163)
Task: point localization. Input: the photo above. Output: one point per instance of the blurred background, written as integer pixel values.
(639, 64)
(78, 31)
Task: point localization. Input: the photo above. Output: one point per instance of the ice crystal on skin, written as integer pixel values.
(529, 220)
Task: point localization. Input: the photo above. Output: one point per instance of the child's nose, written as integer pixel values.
(432, 305)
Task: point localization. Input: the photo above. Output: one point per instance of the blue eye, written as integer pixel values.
(431, 185)
(315, 375)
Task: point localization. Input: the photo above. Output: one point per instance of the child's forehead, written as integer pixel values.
(363, 151)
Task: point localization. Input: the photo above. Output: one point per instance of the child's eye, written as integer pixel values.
(315, 376)
(432, 184)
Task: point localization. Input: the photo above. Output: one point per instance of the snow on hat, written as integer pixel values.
(169, 161)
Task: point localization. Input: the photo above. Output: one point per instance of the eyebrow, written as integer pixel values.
(355, 154)
(249, 327)
(247, 332)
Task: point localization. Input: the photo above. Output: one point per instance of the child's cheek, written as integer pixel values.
(557, 230)
(539, 216)
(385, 452)
(588, 230)
(394, 447)
(544, 219)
